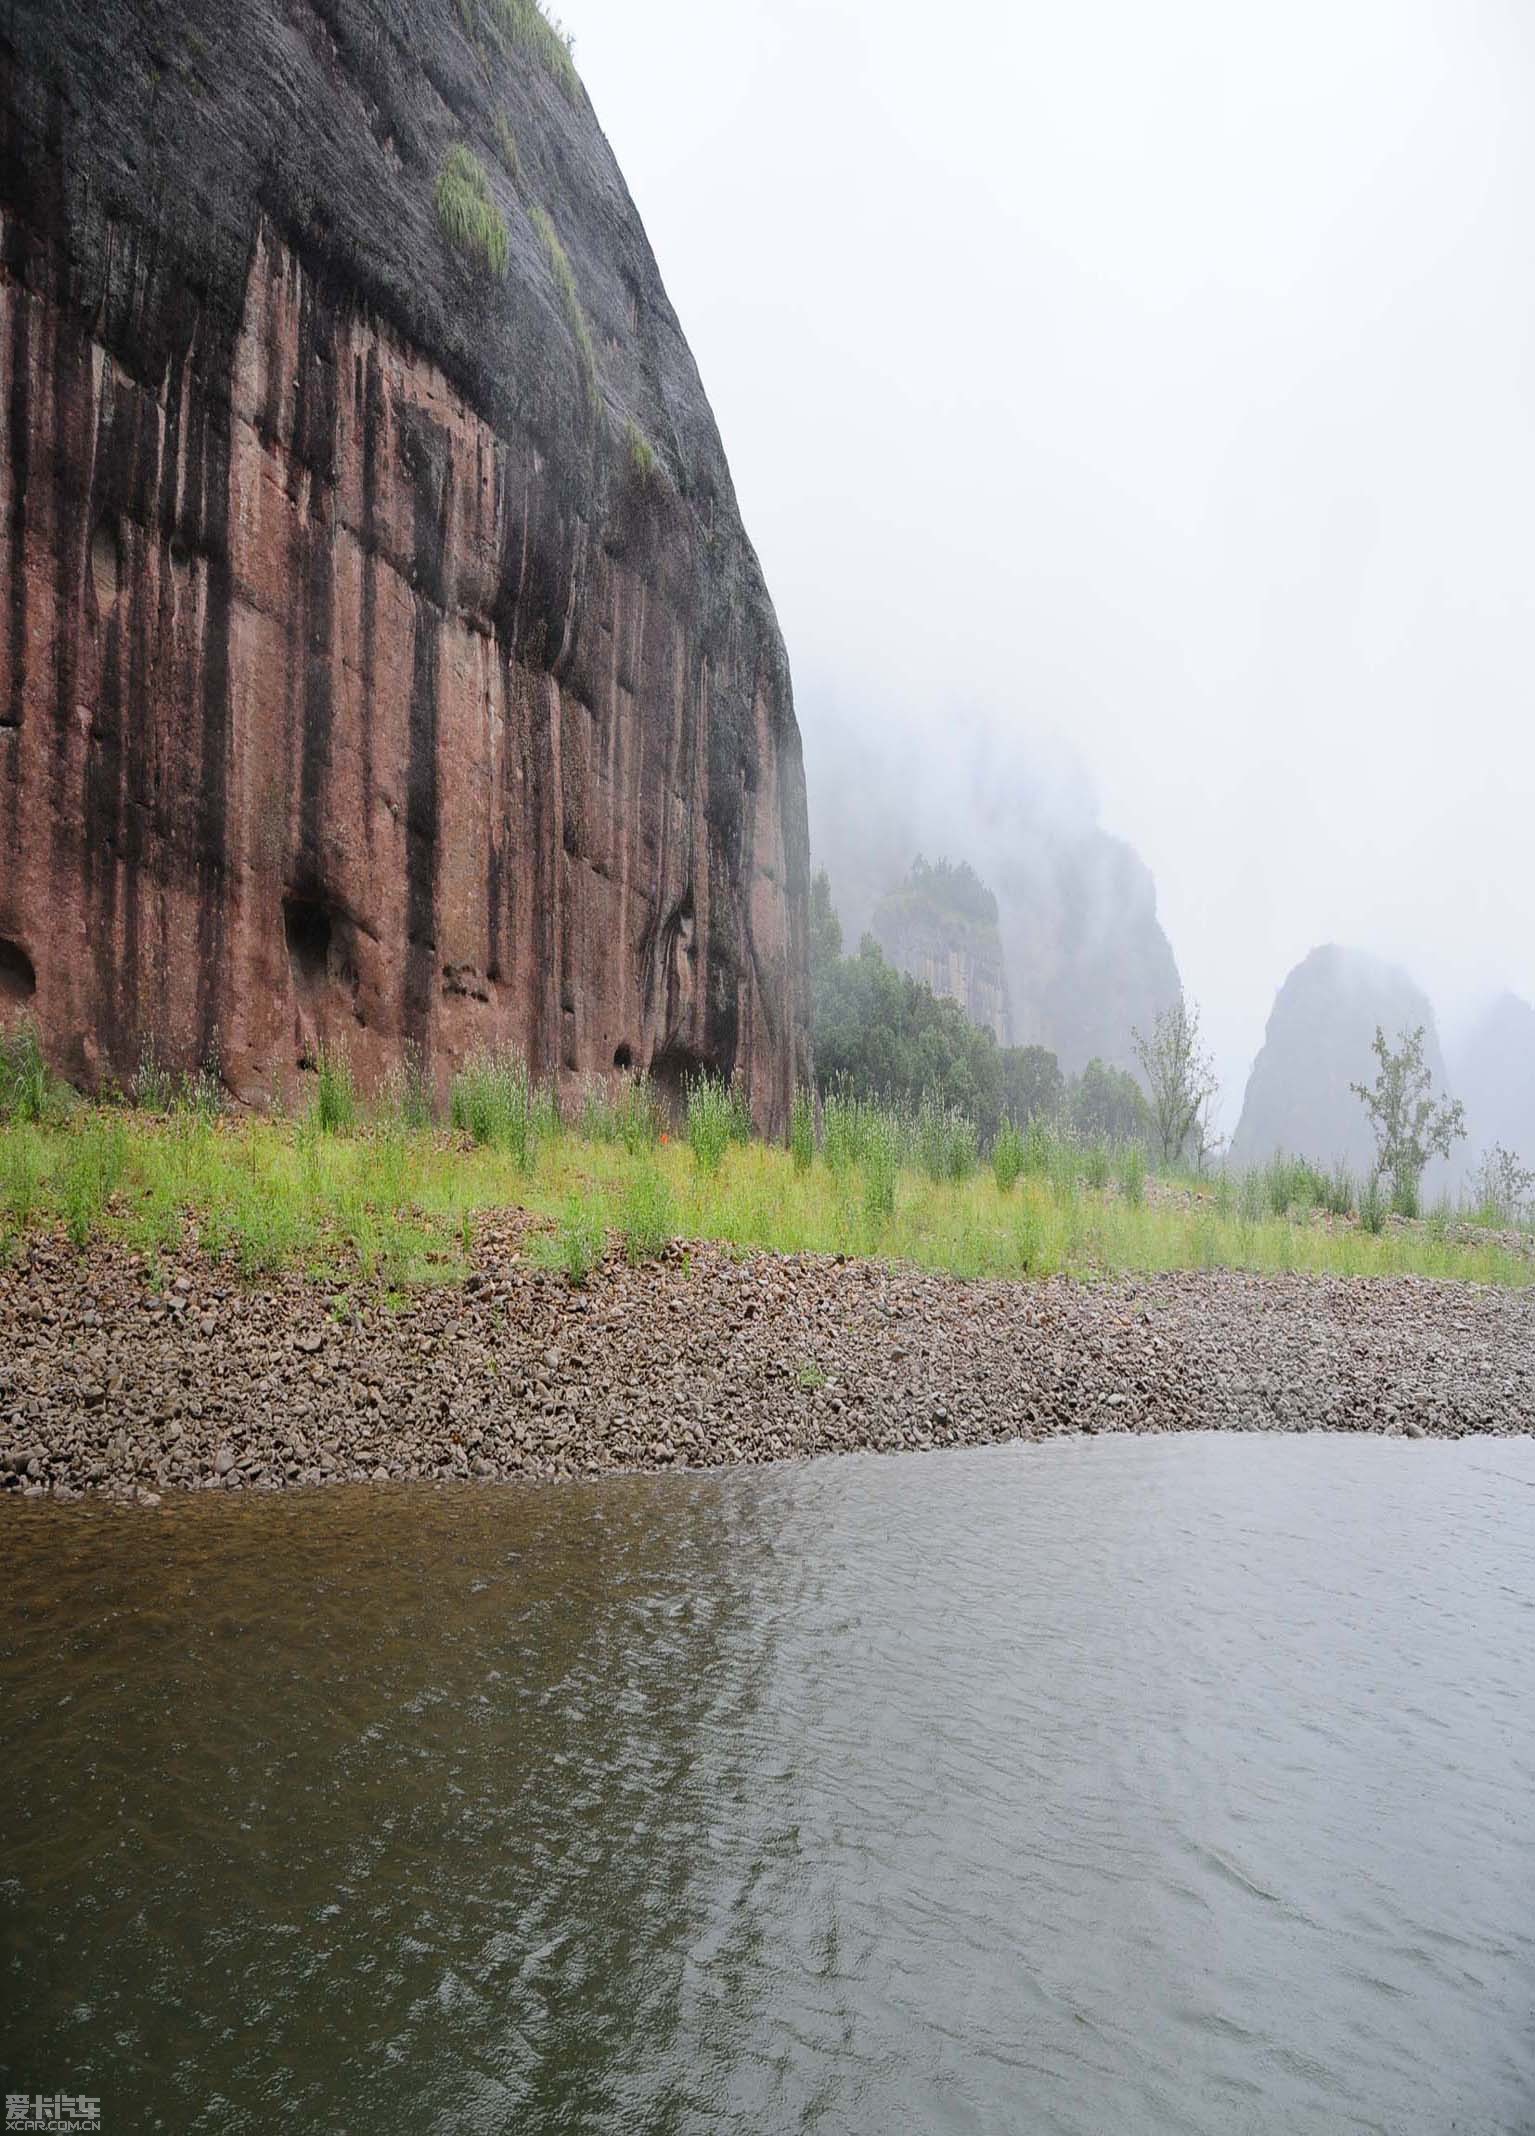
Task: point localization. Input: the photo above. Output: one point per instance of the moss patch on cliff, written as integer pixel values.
(522, 25)
(467, 210)
(570, 302)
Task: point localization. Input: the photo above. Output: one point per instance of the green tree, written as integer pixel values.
(1180, 1080)
(825, 927)
(1411, 1125)
(1108, 1105)
(881, 1034)
(1032, 1084)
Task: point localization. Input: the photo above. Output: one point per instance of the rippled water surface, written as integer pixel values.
(1120, 1786)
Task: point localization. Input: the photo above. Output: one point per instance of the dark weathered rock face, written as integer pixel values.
(941, 926)
(384, 657)
(1299, 1097)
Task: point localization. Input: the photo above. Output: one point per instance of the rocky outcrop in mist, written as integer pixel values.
(1316, 1045)
(940, 925)
(1085, 960)
(384, 658)
(1088, 963)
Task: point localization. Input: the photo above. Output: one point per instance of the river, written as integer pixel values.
(1122, 1785)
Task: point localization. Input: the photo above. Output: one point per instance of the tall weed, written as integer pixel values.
(1007, 1157)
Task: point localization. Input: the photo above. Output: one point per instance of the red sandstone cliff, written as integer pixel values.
(384, 660)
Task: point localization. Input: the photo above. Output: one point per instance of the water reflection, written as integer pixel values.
(1159, 1785)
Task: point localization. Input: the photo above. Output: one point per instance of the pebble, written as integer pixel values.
(700, 1359)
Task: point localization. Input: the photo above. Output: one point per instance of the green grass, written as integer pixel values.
(564, 278)
(493, 1100)
(25, 1085)
(647, 1215)
(399, 1205)
(642, 454)
(335, 1093)
(802, 1131)
(466, 208)
(383, 1194)
(523, 25)
(1007, 1155)
(577, 1245)
(506, 142)
(716, 1117)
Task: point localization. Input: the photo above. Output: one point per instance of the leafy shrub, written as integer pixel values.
(1253, 1200)
(639, 1116)
(1007, 1157)
(630, 1115)
(1505, 1188)
(335, 1093)
(546, 1123)
(1282, 1178)
(647, 1220)
(841, 1129)
(493, 1101)
(408, 1090)
(21, 1175)
(881, 1158)
(153, 1088)
(947, 1145)
(467, 210)
(1372, 1204)
(1337, 1191)
(23, 1076)
(1038, 1149)
(716, 1118)
(802, 1131)
(202, 1095)
(580, 1241)
(92, 1167)
(1132, 1174)
(1410, 1124)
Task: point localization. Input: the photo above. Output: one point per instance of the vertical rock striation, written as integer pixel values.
(385, 662)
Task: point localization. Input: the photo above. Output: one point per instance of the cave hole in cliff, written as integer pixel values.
(18, 980)
(623, 1056)
(308, 929)
(671, 1071)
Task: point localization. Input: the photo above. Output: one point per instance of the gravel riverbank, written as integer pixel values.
(701, 1359)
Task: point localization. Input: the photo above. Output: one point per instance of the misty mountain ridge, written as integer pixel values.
(1317, 1045)
(1084, 959)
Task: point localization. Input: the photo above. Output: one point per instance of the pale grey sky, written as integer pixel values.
(1153, 374)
